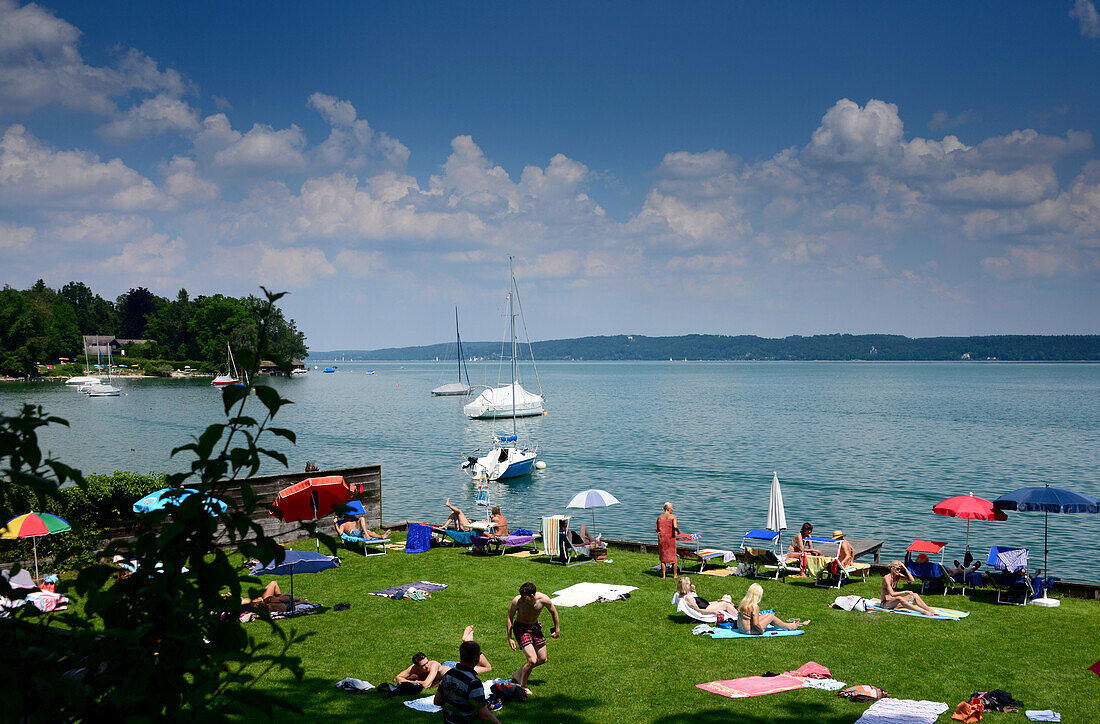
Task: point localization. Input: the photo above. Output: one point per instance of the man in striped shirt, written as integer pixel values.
(461, 693)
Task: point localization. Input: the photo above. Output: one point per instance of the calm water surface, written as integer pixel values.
(867, 447)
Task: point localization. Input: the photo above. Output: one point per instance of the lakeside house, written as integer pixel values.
(101, 344)
(271, 369)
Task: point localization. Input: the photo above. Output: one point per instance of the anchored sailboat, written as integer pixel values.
(460, 387)
(231, 377)
(506, 459)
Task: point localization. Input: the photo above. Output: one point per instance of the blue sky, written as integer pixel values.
(655, 169)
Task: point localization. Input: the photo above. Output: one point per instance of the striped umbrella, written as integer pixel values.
(34, 525)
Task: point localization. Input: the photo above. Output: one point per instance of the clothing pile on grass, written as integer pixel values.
(417, 591)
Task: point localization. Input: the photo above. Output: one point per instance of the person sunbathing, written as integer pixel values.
(457, 517)
(588, 539)
(500, 523)
(845, 554)
(751, 621)
(960, 569)
(427, 672)
(272, 599)
(696, 602)
(892, 598)
(350, 526)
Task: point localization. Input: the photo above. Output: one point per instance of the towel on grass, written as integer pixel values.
(522, 554)
(395, 546)
(826, 684)
(582, 594)
(424, 704)
(810, 668)
(719, 572)
(398, 592)
(943, 614)
(751, 686)
(902, 711)
(300, 609)
(733, 633)
(1043, 715)
(354, 686)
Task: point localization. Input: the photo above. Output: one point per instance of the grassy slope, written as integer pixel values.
(638, 661)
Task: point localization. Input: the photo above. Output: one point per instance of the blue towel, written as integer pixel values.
(461, 537)
(721, 632)
(419, 538)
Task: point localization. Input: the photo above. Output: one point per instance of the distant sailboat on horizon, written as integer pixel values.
(459, 387)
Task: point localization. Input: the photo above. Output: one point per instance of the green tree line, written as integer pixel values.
(41, 325)
(713, 347)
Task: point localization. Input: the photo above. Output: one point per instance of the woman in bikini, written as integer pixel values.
(272, 598)
(696, 602)
(751, 621)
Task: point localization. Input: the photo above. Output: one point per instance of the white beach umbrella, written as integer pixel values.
(592, 498)
(777, 517)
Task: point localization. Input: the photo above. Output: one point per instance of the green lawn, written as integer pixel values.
(637, 660)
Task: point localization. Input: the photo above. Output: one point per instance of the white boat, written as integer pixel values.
(506, 459)
(102, 390)
(300, 371)
(83, 380)
(460, 387)
(231, 377)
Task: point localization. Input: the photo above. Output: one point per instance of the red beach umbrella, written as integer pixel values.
(311, 499)
(969, 507)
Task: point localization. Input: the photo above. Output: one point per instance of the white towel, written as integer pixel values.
(582, 594)
(826, 684)
(424, 704)
(902, 711)
(354, 685)
(1043, 715)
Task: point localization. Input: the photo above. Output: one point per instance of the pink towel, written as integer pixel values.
(751, 686)
(809, 669)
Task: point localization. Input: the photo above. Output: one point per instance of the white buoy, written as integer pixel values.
(540, 465)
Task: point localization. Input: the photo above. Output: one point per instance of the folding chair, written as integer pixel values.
(929, 573)
(372, 543)
(763, 551)
(1011, 580)
(566, 550)
(833, 575)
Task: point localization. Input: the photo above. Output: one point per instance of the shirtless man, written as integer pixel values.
(523, 619)
(892, 598)
(500, 523)
(846, 554)
(427, 672)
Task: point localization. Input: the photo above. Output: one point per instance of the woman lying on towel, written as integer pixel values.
(751, 621)
(723, 606)
(272, 599)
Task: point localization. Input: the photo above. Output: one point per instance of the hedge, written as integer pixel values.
(106, 502)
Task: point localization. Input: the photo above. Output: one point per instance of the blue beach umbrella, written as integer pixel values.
(296, 562)
(1047, 500)
(174, 496)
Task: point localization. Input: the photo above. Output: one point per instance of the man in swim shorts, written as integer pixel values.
(523, 621)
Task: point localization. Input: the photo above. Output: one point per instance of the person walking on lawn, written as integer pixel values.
(523, 621)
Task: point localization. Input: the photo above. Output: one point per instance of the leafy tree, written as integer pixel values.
(94, 314)
(170, 326)
(164, 644)
(134, 308)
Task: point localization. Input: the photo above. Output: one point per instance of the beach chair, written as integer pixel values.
(569, 547)
(826, 571)
(1010, 578)
(458, 537)
(682, 606)
(497, 544)
(689, 552)
(930, 573)
(377, 545)
(762, 552)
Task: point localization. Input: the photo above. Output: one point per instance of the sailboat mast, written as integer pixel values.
(459, 338)
(512, 320)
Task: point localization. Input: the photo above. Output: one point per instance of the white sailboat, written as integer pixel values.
(86, 378)
(231, 377)
(459, 387)
(506, 459)
(102, 390)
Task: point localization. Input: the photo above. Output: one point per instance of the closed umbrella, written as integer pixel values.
(1047, 500)
(296, 562)
(311, 499)
(970, 507)
(777, 517)
(592, 498)
(34, 525)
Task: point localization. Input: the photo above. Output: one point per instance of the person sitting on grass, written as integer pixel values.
(428, 673)
(724, 606)
(893, 598)
(457, 517)
(272, 599)
(751, 621)
(460, 692)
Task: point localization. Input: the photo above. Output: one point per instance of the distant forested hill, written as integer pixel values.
(1013, 347)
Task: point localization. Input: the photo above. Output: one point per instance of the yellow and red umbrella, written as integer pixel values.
(34, 525)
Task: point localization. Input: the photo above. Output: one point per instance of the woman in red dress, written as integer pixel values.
(667, 530)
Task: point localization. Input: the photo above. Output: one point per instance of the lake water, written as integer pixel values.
(867, 447)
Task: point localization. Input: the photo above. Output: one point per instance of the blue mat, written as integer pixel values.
(727, 633)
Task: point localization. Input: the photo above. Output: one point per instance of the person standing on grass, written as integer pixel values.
(460, 692)
(523, 620)
(667, 530)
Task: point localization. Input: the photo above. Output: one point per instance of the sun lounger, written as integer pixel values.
(703, 556)
(1010, 578)
(377, 545)
(459, 537)
(496, 545)
(761, 553)
(930, 573)
(683, 607)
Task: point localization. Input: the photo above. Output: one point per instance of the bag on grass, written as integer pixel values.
(509, 692)
(862, 692)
